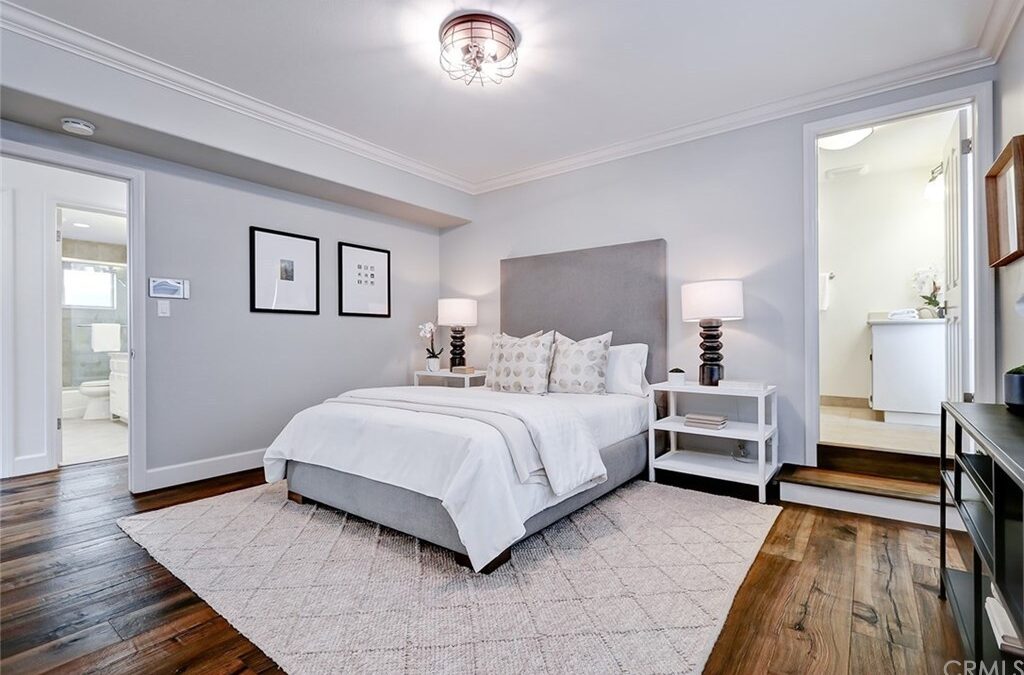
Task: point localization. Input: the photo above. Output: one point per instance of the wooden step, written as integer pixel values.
(898, 488)
(887, 464)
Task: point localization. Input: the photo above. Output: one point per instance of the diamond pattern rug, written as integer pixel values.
(639, 581)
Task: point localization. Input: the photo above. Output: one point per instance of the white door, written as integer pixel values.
(956, 177)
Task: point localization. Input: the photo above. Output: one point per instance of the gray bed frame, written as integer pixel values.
(620, 288)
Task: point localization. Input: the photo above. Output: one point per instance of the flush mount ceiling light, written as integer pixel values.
(81, 224)
(73, 125)
(478, 47)
(844, 140)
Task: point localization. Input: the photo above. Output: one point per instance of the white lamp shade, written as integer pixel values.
(717, 299)
(456, 312)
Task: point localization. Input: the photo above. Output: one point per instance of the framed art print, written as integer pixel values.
(364, 281)
(284, 272)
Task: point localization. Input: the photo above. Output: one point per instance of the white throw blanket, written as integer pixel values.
(493, 459)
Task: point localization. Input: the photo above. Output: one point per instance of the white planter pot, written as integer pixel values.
(677, 378)
(433, 365)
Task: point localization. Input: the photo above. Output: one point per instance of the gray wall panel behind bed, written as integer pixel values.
(620, 288)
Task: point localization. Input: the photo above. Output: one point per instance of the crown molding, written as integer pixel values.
(43, 29)
(998, 26)
(999, 23)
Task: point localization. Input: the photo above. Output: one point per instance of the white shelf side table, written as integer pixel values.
(764, 432)
(448, 375)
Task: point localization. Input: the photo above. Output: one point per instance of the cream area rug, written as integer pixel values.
(639, 581)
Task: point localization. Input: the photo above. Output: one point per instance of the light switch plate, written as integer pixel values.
(163, 307)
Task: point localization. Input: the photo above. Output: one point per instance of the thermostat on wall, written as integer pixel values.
(159, 287)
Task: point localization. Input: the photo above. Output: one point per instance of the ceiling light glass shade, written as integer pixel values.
(715, 299)
(478, 48)
(456, 312)
(844, 140)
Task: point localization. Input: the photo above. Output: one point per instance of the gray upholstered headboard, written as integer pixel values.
(619, 288)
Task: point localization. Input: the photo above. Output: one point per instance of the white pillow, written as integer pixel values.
(523, 364)
(579, 367)
(626, 370)
(496, 342)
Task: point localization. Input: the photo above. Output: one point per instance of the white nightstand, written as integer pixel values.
(692, 460)
(447, 376)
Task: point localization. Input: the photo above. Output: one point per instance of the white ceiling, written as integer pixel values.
(103, 227)
(596, 78)
(914, 142)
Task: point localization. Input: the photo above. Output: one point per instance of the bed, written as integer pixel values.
(473, 470)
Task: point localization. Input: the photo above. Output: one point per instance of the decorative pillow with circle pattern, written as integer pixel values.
(496, 341)
(523, 364)
(580, 367)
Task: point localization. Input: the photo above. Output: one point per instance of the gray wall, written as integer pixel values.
(1009, 96)
(221, 379)
(730, 205)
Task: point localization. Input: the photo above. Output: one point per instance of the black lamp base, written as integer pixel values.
(458, 349)
(711, 368)
(710, 374)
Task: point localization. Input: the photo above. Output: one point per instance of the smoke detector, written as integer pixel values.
(76, 126)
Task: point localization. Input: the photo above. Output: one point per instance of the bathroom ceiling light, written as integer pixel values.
(844, 140)
(478, 47)
(81, 224)
(76, 126)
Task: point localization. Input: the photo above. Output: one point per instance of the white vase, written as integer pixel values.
(434, 365)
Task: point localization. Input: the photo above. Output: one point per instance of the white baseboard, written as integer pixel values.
(869, 505)
(200, 469)
(920, 419)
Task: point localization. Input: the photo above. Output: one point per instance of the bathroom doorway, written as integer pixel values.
(94, 334)
(895, 275)
(72, 362)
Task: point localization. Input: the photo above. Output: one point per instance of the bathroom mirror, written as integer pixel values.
(1004, 196)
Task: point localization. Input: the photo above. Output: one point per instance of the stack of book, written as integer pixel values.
(702, 421)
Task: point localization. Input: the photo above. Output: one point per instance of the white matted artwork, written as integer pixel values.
(364, 281)
(284, 272)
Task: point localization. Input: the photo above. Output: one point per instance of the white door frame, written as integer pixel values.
(136, 187)
(52, 287)
(980, 286)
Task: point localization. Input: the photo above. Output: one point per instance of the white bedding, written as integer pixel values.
(493, 459)
(610, 417)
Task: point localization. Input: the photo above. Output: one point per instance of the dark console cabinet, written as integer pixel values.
(986, 485)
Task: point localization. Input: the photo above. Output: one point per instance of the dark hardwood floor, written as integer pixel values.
(828, 593)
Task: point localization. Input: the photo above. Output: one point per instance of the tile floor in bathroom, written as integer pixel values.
(860, 427)
(91, 440)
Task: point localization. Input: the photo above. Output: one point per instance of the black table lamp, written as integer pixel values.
(457, 313)
(711, 303)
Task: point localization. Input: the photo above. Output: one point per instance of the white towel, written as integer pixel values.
(106, 337)
(824, 291)
(908, 313)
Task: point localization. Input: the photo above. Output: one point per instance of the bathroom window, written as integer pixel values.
(89, 286)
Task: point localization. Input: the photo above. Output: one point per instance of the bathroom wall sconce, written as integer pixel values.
(935, 189)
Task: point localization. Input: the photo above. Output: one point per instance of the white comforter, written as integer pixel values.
(493, 459)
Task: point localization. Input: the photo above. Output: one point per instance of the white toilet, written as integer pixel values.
(97, 394)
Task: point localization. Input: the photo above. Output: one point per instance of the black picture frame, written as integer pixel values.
(252, 271)
(342, 245)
